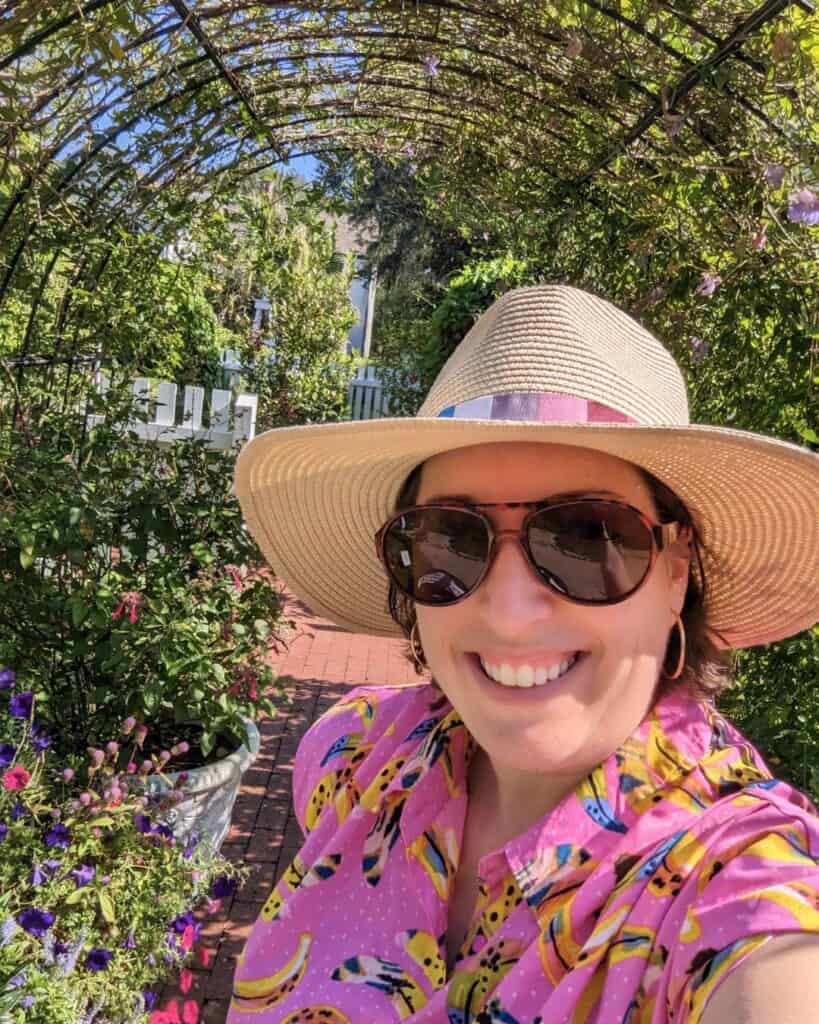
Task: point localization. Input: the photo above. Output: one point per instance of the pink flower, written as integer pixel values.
(185, 980)
(112, 747)
(85, 799)
(16, 778)
(203, 956)
(708, 284)
(190, 1012)
(235, 574)
(180, 748)
(128, 725)
(140, 734)
(774, 174)
(67, 774)
(188, 938)
(131, 767)
(129, 599)
(97, 756)
(759, 239)
(213, 906)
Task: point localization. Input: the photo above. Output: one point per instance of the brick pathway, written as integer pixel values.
(321, 664)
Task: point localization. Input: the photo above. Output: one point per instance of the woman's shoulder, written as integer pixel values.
(348, 744)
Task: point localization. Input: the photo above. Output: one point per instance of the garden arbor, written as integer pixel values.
(118, 119)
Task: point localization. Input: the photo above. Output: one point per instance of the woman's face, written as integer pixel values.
(568, 725)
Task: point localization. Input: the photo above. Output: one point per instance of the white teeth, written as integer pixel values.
(526, 676)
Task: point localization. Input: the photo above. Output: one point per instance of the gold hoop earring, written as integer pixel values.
(416, 648)
(681, 659)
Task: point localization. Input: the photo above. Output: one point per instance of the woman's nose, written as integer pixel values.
(511, 587)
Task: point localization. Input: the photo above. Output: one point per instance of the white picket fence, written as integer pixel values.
(231, 422)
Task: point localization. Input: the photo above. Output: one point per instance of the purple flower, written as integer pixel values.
(7, 754)
(179, 924)
(18, 811)
(39, 738)
(83, 875)
(149, 998)
(708, 284)
(699, 348)
(7, 679)
(774, 174)
(223, 887)
(143, 823)
(164, 830)
(128, 941)
(98, 959)
(20, 704)
(759, 239)
(7, 930)
(804, 207)
(37, 876)
(3, 830)
(58, 835)
(431, 65)
(28, 1002)
(17, 981)
(35, 922)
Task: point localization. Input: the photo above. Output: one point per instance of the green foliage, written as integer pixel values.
(111, 882)
(128, 585)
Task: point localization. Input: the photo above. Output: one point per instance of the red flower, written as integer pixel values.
(129, 599)
(188, 938)
(16, 778)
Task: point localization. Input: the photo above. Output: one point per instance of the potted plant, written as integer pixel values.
(97, 897)
(130, 589)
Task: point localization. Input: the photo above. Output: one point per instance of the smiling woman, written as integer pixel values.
(558, 825)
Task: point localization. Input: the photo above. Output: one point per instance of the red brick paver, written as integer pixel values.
(321, 663)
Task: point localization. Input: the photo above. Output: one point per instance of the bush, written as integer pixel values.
(128, 585)
(96, 897)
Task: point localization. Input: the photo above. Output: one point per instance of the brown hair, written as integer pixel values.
(708, 667)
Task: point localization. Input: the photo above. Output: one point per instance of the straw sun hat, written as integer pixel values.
(554, 364)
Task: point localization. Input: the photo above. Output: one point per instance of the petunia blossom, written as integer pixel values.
(804, 207)
(58, 836)
(7, 754)
(223, 887)
(20, 704)
(16, 778)
(83, 875)
(98, 959)
(34, 921)
(7, 679)
(40, 739)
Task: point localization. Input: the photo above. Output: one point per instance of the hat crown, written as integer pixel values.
(554, 339)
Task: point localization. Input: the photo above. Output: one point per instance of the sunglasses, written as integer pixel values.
(589, 550)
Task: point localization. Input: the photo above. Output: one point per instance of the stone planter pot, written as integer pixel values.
(210, 792)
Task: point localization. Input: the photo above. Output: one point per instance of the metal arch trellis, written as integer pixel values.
(505, 60)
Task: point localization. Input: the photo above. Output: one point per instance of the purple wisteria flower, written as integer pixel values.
(708, 284)
(223, 887)
(7, 679)
(804, 207)
(431, 65)
(35, 922)
(774, 174)
(699, 348)
(20, 704)
(58, 835)
(83, 875)
(98, 959)
(7, 754)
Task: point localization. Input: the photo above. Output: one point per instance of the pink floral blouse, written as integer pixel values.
(628, 903)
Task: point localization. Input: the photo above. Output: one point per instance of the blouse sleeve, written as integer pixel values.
(759, 879)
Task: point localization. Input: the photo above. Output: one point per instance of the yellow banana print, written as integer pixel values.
(317, 1015)
(423, 948)
(371, 797)
(292, 878)
(256, 995)
(437, 853)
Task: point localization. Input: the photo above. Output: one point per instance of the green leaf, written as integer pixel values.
(27, 557)
(106, 906)
(79, 612)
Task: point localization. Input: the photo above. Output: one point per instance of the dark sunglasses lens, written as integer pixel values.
(596, 552)
(436, 555)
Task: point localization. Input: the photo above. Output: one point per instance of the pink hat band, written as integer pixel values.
(535, 407)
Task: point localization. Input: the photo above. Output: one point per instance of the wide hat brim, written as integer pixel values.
(314, 496)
